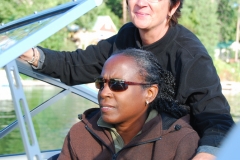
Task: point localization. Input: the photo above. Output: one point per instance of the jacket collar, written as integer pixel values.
(151, 131)
(153, 113)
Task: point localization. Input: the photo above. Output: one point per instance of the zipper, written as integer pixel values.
(137, 144)
(89, 130)
(142, 143)
(115, 155)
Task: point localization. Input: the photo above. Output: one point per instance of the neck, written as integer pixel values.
(150, 36)
(130, 130)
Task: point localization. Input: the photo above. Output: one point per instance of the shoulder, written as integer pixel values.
(90, 116)
(179, 139)
(176, 125)
(185, 34)
(184, 122)
(188, 137)
(188, 42)
(183, 127)
(125, 37)
(127, 26)
(127, 29)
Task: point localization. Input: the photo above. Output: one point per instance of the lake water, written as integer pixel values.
(53, 123)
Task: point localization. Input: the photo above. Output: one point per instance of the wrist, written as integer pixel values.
(35, 57)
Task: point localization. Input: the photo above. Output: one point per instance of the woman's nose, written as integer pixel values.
(105, 91)
(141, 2)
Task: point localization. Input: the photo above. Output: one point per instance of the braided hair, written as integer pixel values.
(152, 72)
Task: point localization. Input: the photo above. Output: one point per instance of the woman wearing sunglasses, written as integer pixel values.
(138, 117)
(154, 28)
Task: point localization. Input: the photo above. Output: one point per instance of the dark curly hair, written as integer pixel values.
(152, 72)
(174, 19)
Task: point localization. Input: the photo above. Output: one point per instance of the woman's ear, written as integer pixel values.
(152, 93)
(174, 8)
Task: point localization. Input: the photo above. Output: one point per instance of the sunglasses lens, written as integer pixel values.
(99, 83)
(116, 85)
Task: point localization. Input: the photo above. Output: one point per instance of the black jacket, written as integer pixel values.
(180, 52)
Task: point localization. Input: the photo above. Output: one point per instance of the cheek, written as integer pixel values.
(98, 96)
(131, 99)
(130, 8)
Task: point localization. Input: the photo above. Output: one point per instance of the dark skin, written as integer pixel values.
(126, 110)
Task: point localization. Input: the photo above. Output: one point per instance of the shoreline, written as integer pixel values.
(230, 87)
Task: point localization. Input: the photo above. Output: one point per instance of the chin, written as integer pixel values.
(108, 119)
(140, 25)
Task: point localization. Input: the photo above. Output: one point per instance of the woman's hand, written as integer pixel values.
(31, 56)
(204, 156)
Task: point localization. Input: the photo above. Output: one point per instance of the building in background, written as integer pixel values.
(102, 29)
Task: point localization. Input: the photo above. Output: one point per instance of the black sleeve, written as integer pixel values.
(80, 66)
(201, 89)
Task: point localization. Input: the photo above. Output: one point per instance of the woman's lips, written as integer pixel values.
(106, 108)
(141, 14)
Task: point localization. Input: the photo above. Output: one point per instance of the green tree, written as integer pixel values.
(11, 10)
(14, 9)
(201, 18)
(116, 7)
(227, 20)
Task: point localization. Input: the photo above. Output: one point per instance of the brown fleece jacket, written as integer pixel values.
(87, 141)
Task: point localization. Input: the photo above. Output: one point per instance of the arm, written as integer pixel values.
(76, 67)
(201, 89)
(32, 56)
(82, 66)
(204, 156)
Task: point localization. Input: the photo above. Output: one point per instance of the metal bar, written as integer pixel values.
(19, 48)
(7, 61)
(31, 145)
(38, 16)
(81, 90)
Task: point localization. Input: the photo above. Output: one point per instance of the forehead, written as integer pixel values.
(120, 66)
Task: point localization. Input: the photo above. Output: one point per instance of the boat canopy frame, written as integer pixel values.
(9, 53)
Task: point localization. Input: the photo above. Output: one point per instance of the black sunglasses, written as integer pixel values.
(116, 85)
